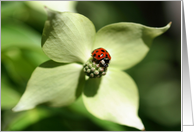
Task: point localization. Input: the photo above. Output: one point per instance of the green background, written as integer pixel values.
(158, 76)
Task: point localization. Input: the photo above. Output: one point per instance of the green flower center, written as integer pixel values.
(94, 68)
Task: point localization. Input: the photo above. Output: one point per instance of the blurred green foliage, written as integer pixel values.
(158, 76)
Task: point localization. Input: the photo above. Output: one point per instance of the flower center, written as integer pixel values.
(94, 68)
(97, 65)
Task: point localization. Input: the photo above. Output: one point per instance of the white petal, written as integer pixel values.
(113, 98)
(68, 37)
(127, 43)
(54, 83)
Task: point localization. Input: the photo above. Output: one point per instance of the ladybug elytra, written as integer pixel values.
(102, 56)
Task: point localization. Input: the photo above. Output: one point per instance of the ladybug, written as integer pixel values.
(102, 56)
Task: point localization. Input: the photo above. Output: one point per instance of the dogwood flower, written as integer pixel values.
(68, 40)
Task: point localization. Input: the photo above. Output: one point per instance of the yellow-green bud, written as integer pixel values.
(94, 69)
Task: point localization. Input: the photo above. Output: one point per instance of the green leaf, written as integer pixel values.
(9, 96)
(10, 8)
(127, 43)
(21, 120)
(17, 64)
(21, 36)
(68, 37)
(99, 12)
(114, 97)
(162, 103)
(151, 73)
(56, 83)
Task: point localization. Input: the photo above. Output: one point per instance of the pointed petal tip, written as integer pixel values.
(20, 107)
(16, 109)
(46, 9)
(49, 10)
(169, 24)
(143, 129)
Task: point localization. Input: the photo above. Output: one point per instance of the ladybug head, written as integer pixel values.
(105, 62)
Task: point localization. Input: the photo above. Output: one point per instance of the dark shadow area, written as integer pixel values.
(151, 125)
(81, 84)
(64, 119)
(51, 64)
(91, 87)
(48, 28)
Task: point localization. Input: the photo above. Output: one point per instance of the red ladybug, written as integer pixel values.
(102, 56)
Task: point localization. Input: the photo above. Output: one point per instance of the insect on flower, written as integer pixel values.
(101, 56)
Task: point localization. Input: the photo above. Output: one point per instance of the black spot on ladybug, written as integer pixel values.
(98, 55)
(94, 55)
(102, 50)
(97, 51)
